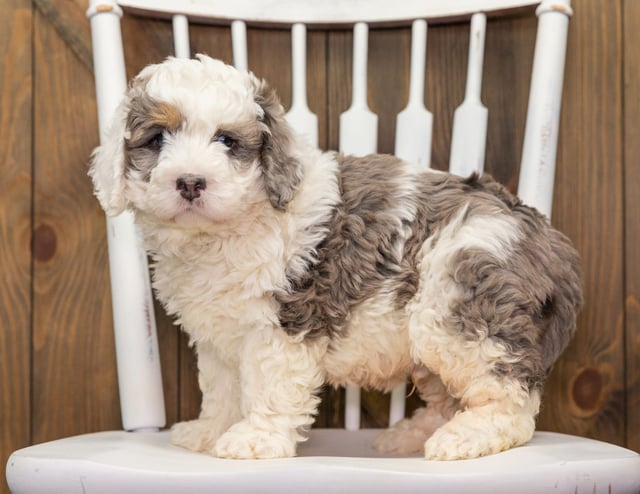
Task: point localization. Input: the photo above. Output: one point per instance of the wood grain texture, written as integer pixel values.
(69, 20)
(339, 80)
(74, 378)
(509, 46)
(15, 227)
(631, 9)
(445, 84)
(585, 394)
(388, 76)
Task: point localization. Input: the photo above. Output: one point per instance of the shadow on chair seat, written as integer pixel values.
(333, 460)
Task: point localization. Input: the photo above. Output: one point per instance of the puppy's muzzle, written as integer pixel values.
(190, 186)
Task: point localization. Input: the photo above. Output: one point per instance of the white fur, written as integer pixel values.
(375, 352)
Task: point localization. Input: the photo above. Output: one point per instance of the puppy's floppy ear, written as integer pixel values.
(108, 161)
(107, 165)
(282, 171)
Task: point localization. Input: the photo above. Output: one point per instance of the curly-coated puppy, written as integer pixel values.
(290, 268)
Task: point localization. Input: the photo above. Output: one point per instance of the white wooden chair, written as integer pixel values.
(139, 458)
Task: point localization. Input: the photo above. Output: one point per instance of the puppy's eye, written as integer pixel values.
(225, 139)
(156, 141)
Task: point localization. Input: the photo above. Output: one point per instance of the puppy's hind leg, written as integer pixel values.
(476, 321)
(498, 415)
(498, 406)
(220, 403)
(409, 435)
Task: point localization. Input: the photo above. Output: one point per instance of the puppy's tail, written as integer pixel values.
(561, 307)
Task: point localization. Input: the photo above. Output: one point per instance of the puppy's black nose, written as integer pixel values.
(190, 186)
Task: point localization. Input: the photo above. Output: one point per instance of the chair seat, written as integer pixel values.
(118, 461)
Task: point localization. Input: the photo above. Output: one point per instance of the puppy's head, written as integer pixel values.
(196, 142)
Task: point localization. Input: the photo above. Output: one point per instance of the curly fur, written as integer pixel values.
(289, 268)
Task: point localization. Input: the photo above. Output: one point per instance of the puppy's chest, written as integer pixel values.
(213, 292)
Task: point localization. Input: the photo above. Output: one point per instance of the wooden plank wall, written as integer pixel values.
(16, 130)
(57, 372)
(631, 149)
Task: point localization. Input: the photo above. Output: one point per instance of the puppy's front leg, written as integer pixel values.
(220, 386)
(280, 375)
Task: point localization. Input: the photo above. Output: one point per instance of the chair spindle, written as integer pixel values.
(239, 45)
(537, 168)
(469, 134)
(414, 124)
(181, 46)
(299, 115)
(359, 125)
(138, 356)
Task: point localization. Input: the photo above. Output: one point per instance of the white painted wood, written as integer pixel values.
(359, 125)
(239, 45)
(326, 12)
(352, 408)
(181, 46)
(108, 54)
(138, 358)
(537, 168)
(469, 134)
(414, 124)
(398, 406)
(333, 460)
(299, 116)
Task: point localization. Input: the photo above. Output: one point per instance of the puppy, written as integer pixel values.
(290, 268)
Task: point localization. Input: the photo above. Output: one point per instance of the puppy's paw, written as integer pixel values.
(245, 441)
(197, 435)
(459, 441)
(409, 435)
(450, 444)
(479, 432)
(400, 439)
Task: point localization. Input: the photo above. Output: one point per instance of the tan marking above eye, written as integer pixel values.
(149, 118)
(165, 115)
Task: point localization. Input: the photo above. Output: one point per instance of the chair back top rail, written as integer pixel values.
(333, 13)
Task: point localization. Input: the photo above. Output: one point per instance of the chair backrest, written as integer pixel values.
(136, 341)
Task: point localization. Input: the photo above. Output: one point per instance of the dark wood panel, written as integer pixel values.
(74, 377)
(214, 41)
(388, 73)
(508, 60)
(444, 84)
(15, 226)
(339, 72)
(585, 394)
(69, 20)
(145, 41)
(632, 217)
